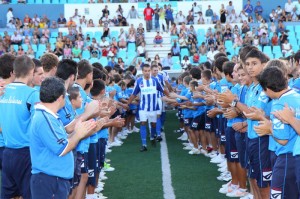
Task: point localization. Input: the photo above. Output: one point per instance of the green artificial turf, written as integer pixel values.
(139, 176)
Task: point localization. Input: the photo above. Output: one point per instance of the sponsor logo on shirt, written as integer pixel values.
(10, 100)
(263, 97)
(276, 193)
(267, 175)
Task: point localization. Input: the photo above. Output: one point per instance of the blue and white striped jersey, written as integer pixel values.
(148, 89)
(160, 79)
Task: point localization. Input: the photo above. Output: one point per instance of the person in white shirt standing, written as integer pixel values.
(180, 18)
(288, 7)
(9, 17)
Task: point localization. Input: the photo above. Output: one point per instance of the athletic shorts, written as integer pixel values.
(159, 106)
(222, 123)
(273, 158)
(187, 121)
(82, 161)
(1, 156)
(150, 116)
(198, 123)
(92, 164)
(259, 161)
(208, 122)
(131, 112)
(180, 115)
(101, 153)
(283, 179)
(231, 151)
(16, 173)
(240, 140)
(117, 113)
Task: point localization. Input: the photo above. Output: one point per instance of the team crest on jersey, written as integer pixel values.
(223, 138)
(263, 97)
(91, 173)
(276, 193)
(267, 175)
(207, 125)
(277, 124)
(234, 154)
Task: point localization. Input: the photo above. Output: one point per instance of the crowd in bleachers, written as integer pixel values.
(36, 35)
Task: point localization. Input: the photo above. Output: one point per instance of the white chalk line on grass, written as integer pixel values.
(166, 170)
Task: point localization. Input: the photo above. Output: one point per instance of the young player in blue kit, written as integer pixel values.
(18, 101)
(50, 149)
(274, 82)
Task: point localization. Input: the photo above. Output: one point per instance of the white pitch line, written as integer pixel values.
(166, 170)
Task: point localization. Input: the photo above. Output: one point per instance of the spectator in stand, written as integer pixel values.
(223, 14)
(133, 13)
(105, 11)
(211, 53)
(10, 18)
(229, 7)
(263, 24)
(283, 16)
(103, 43)
(112, 62)
(185, 62)
(278, 11)
(283, 37)
(286, 48)
(228, 35)
(214, 18)
(273, 27)
(175, 50)
(91, 23)
(190, 18)
(297, 6)
(248, 8)
(61, 21)
(71, 23)
(122, 20)
(122, 39)
(264, 41)
(106, 18)
(67, 52)
(274, 40)
(280, 27)
(162, 20)
(16, 39)
(245, 27)
(250, 19)
(293, 16)
(232, 17)
(27, 20)
(193, 49)
(169, 16)
(53, 25)
(209, 12)
(238, 41)
(211, 41)
(200, 19)
(141, 50)
(158, 40)
(76, 52)
(243, 16)
(183, 43)
(12, 50)
(156, 17)
(273, 16)
(288, 7)
(167, 61)
(258, 8)
(119, 11)
(180, 18)
(203, 49)
(148, 13)
(30, 52)
(36, 20)
(106, 30)
(173, 30)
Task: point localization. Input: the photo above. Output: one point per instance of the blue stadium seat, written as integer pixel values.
(42, 47)
(34, 47)
(297, 28)
(54, 34)
(63, 1)
(38, 1)
(176, 67)
(25, 47)
(267, 49)
(276, 49)
(55, 1)
(295, 47)
(1, 34)
(201, 32)
(89, 33)
(30, 2)
(259, 48)
(122, 54)
(38, 54)
(76, 59)
(203, 58)
(47, 1)
(131, 47)
(103, 61)
(290, 28)
(16, 47)
(236, 50)
(174, 37)
(278, 55)
(228, 44)
(98, 35)
(184, 52)
(175, 59)
(269, 54)
(86, 54)
(93, 60)
(114, 34)
(52, 40)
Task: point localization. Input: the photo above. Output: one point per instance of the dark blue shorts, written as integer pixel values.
(283, 180)
(92, 164)
(241, 148)
(231, 151)
(83, 161)
(297, 168)
(1, 156)
(101, 153)
(16, 173)
(273, 158)
(74, 181)
(221, 126)
(45, 186)
(187, 121)
(117, 113)
(208, 123)
(131, 112)
(259, 161)
(198, 123)
(180, 115)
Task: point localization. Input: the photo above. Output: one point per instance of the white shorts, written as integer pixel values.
(160, 106)
(151, 116)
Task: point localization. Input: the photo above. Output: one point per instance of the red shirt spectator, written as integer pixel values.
(148, 13)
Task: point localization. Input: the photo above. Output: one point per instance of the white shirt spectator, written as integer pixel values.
(16, 38)
(180, 18)
(103, 43)
(185, 63)
(278, 11)
(244, 16)
(288, 7)
(9, 17)
(105, 19)
(141, 49)
(211, 55)
(233, 18)
(36, 21)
